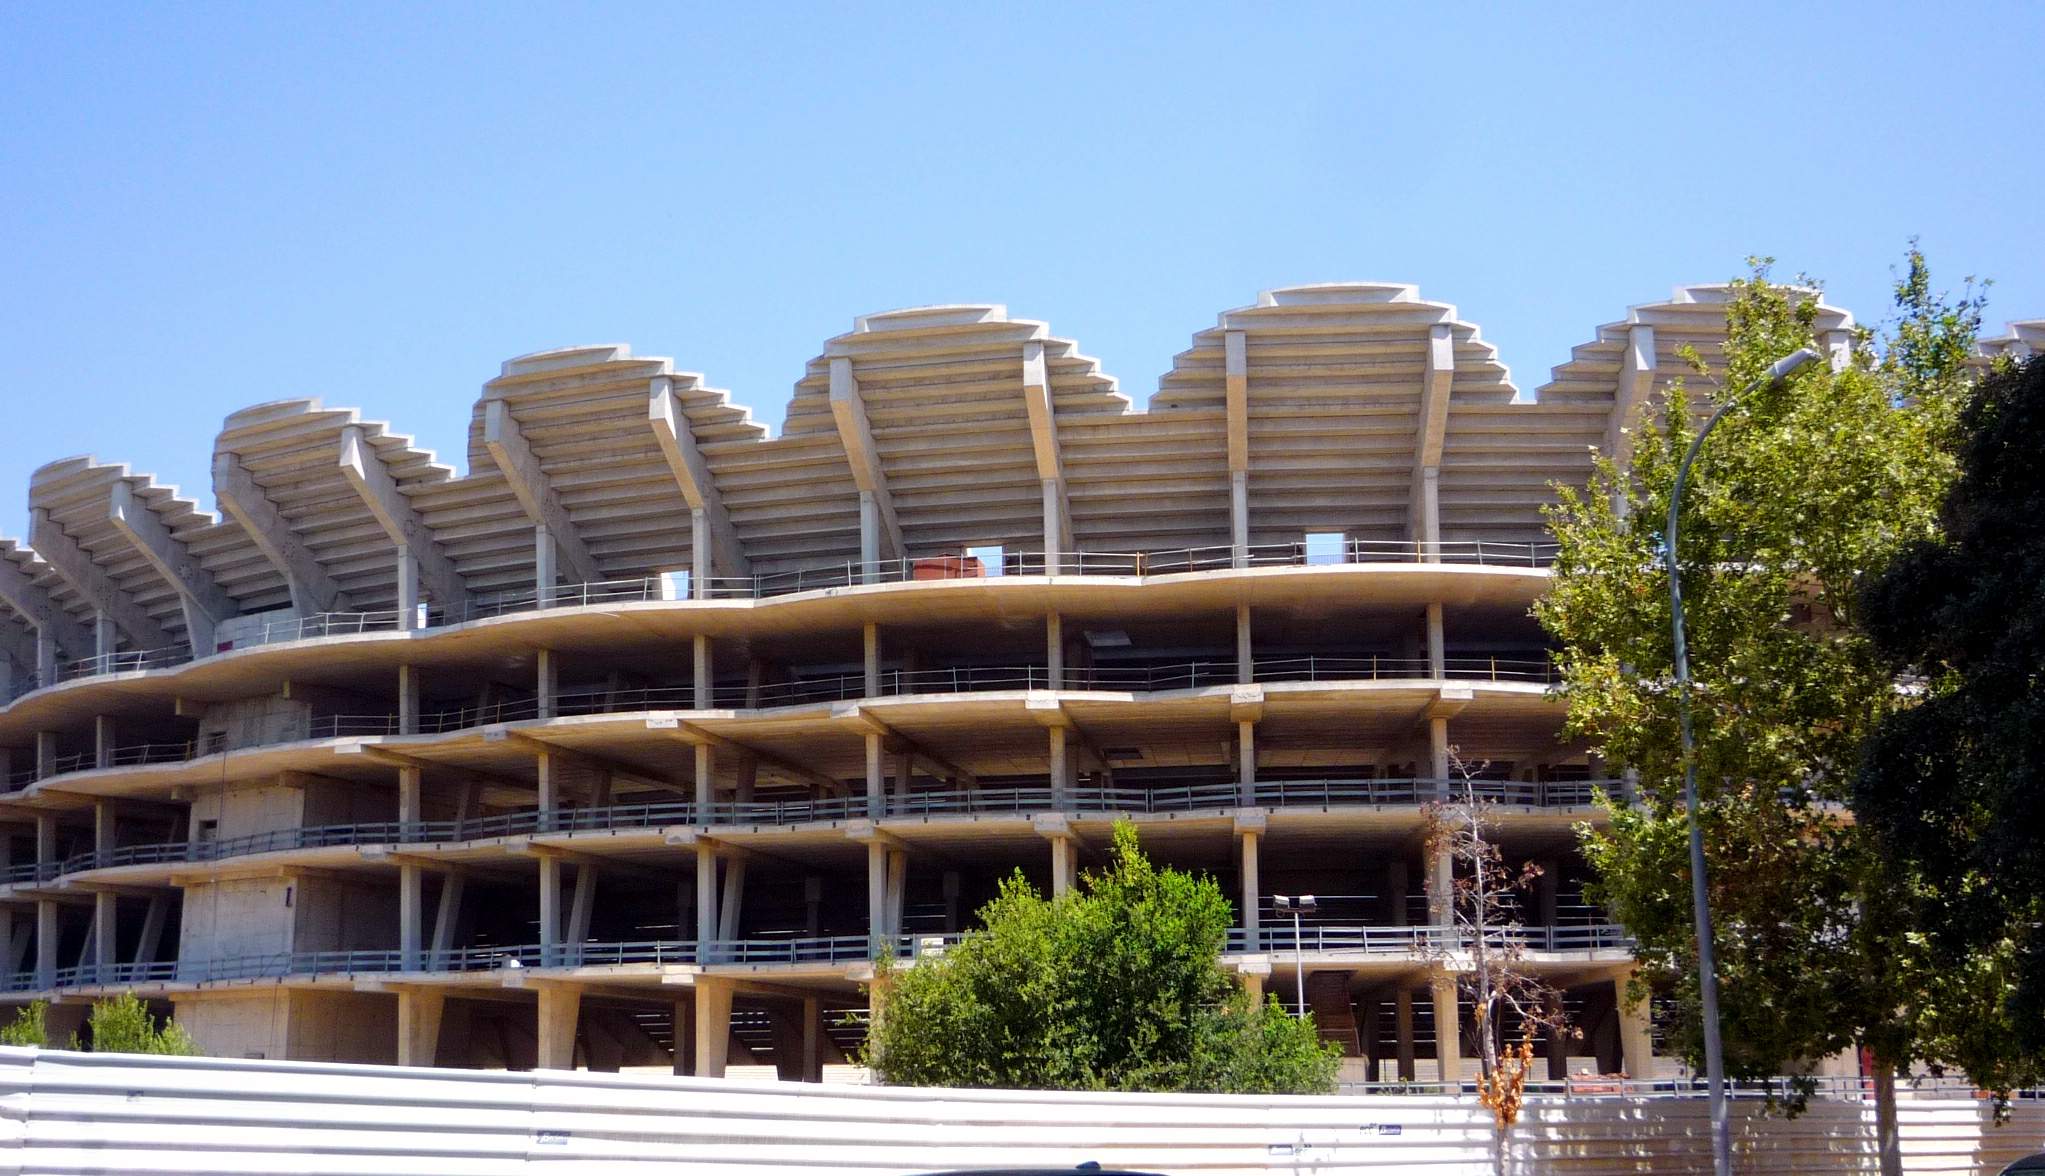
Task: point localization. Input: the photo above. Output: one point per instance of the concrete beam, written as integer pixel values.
(535, 491)
(240, 498)
(684, 456)
(41, 610)
(696, 736)
(205, 603)
(1424, 501)
(91, 581)
(1043, 414)
(857, 436)
(1236, 374)
(364, 469)
(537, 745)
(1636, 381)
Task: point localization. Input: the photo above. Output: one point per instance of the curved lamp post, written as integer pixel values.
(1707, 963)
(1304, 902)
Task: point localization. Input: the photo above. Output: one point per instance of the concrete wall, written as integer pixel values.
(258, 806)
(273, 1022)
(90, 1112)
(252, 722)
(236, 917)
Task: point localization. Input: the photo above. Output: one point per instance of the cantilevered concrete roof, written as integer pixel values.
(1334, 405)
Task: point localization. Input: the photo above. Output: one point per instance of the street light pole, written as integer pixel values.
(1707, 961)
(1304, 902)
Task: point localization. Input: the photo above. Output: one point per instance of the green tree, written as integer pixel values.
(30, 1025)
(122, 1024)
(1115, 986)
(1954, 785)
(1797, 495)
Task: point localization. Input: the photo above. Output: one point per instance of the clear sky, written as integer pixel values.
(204, 207)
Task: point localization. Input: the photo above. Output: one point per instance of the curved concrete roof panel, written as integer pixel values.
(1356, 407)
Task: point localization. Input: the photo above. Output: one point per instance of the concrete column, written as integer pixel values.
(870, 643)
(869, 537)
(1429, 527)
(408, 700)
(449, 914)
(419, 1012)
(812, 1039)
(103, 829)
(46, 754)
(1636, 1032)
(10, 946)
(1061, 865)
(102, 741)
(706, 781)
(560, 1004)
(1252, 892)
(1239, 519)
(1547, 892)
(876, 777)
(1441, 882)
(1054, 540)
(547, 690)
(1054, 651)
(46, 839)
(748, 773)
(46, 943)
(549, 788)
(411, 901)
(1558, 1043)
(151, 940)
(46, 658)
(685, 1035)
(550, 911)
(706, 902)
(579, 907)
(699, 553)
(1448, 1028)
(731, 899)
(106, 639)
(1246, 661)
(1437, 648)
(1246, 759)
(408, 590)
(876, 891)
(713, 1026)
(1402, 1013)
(898, 890)
(700, 672)
(1438, 746)
(544, 575)
(1059, 770)
(103, 935)
(1253, 983)
(1397, 891)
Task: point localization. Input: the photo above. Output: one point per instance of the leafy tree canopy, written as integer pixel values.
(1116, 985)
(1797, 495)
(117, 1024)
(1955, 784)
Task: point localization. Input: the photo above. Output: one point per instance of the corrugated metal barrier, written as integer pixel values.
(89, 1113)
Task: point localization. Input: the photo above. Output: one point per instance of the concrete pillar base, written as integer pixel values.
(419, 1026)
(560, 1004)
(713, 1026)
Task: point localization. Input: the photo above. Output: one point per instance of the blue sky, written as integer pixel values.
(204, 207)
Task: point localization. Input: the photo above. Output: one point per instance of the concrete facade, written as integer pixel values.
(630, 746)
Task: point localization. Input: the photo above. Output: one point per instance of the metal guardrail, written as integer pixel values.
(659, 587)
(806, 810)
(755, 951)
(1279, 938)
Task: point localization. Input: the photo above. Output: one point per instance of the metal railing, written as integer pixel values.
(1279, 938)
(1014, 800)
(125, 662)
(326, 624)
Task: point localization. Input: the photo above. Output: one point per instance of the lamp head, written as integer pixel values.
(1306, 902)
(1782, 369)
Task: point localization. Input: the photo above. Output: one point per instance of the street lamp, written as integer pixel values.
(1304, 902)
(1707, 963)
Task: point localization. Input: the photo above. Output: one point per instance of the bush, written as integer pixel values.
(1115, 986)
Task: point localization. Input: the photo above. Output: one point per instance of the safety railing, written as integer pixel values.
(326, 624)
(1280, 937)
(995, 801)
(124, 662)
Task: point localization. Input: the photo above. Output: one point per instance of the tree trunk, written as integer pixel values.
(1888, 1138)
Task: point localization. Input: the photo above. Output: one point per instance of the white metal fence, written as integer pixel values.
(79, 1113)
